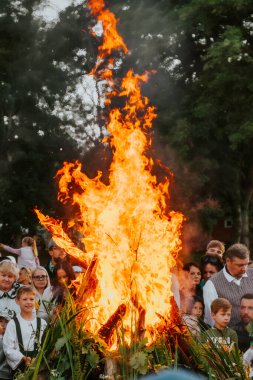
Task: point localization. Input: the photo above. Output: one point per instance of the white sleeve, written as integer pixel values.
(175, 289)
(209, 294)
(11, 347)
(248, 356)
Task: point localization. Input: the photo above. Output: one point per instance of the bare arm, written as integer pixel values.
(15, 251)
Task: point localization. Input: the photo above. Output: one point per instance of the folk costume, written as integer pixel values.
(22, 338)
(7, 300)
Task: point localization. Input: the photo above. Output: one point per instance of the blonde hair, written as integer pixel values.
(216, 244)
(28, 272)
(25, 289)
(31, 243)
(9, 267)
(45, 271)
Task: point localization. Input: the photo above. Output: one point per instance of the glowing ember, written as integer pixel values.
(131, 241)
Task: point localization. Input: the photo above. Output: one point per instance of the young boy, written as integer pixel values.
(23, 333)
(215, 247)
(221, 334)
(5, 370)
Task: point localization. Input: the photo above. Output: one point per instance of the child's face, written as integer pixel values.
(62, 277)
(24, 278)
(6, 281)
(221, 318)
(214, 251)
(26, 302)
(3, 324)
(197, 310)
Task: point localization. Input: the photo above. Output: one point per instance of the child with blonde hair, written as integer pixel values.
(216, 248)
(27, 254)
(25, 276)
(23, 335)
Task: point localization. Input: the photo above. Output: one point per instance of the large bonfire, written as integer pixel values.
(131, 239)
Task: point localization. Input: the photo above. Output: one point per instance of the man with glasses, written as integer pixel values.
(57, 253)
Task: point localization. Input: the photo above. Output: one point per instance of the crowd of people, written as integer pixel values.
(215, 299)
(29, 297)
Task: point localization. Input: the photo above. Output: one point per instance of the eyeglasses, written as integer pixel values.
(43, 277)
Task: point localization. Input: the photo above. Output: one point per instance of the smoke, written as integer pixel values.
(184, 191)
(147, 31)
(148, 35)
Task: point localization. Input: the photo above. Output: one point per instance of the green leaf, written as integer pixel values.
(139, 361)
(93, 358)
(249, 328)
(61, 342)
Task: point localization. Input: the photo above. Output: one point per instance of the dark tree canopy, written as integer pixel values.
(202, 53)
(37, 69)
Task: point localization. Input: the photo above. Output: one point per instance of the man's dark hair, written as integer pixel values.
(248, 296)
(238, 250)
(211, 259)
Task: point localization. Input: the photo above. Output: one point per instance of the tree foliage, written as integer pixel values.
(203, 51)
(38, 69)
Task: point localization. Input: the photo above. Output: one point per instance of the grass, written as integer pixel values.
(70, 352)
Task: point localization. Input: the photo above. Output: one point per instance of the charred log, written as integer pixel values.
(89, 282)
(108, 328)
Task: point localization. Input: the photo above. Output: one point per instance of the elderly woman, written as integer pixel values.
(41, 283)
(9, 274)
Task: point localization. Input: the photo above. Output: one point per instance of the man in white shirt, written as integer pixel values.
(232, 282)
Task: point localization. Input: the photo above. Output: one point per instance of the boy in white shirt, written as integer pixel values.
(23, 334)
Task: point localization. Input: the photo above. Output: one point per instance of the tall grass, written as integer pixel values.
(70, 352)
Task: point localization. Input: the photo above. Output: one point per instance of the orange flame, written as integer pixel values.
(112, 40)
(131, 241)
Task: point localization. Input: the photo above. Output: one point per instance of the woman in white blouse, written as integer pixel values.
(41, 283)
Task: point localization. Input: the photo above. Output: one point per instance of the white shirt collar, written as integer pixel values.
(230, 278)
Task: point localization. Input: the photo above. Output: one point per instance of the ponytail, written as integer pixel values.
(34, 247)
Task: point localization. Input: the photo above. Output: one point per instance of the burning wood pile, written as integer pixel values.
(131, 238)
